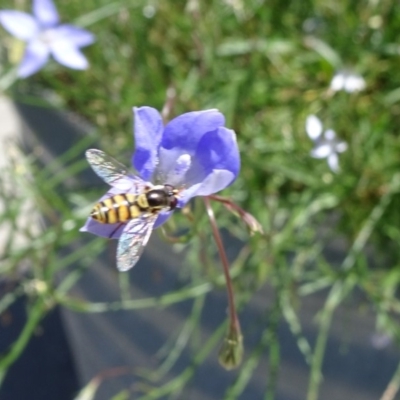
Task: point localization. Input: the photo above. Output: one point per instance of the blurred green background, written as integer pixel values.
(266, 65)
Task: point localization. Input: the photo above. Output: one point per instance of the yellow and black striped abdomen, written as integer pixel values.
(120, 208)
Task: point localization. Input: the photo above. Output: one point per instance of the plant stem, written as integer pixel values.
(36, 313)
(8, 79)
(393, 386)
(233, 318)
(336, 295)
(133, 304)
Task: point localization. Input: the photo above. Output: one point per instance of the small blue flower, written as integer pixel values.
(44, 36)
(195, 153)
(326, 144)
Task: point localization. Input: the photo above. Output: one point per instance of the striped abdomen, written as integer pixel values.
(120, 208)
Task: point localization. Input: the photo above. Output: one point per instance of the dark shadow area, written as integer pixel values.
(45, 370)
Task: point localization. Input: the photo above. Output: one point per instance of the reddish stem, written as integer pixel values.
(234, 321)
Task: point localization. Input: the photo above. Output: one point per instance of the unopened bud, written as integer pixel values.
(231, 352)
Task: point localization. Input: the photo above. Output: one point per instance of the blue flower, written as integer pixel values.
(195, 153)
(326, 144)
(44, 36)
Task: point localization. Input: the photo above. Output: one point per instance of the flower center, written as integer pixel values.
(182, 164)
(330, 135)
(47, 36)
(177, 173)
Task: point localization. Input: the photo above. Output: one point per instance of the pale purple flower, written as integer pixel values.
(44, 36)
(194, 152)
(326, 144)
(348, 81)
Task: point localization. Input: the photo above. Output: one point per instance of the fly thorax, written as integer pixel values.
(157, 198)
(162, 197)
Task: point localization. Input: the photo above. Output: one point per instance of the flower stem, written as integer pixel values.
(36, 314)
(393, 386)
(233, 318)
(8, 79)
(246, 217)
(231, 351)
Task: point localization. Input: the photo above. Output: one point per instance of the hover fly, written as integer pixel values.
(135, 212)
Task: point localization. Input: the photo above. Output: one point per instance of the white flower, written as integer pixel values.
(347, 81)
(380, 340)
(326, 144)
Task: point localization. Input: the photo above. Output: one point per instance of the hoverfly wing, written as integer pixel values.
(133, 240)
(110, 170)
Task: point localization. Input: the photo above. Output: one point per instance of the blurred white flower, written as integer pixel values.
(380, 340)
(149, 11)
(326, 144)
(348, 81)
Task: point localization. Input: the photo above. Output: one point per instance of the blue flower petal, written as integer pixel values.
(35, 57)
(21, 25)
(185, 131)
(111, 231)
(148, 128)
(45, 12)
(218, 150)
(67, 54)
(216, 181)
(77, 37)
(162, 218)
(217, 164)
